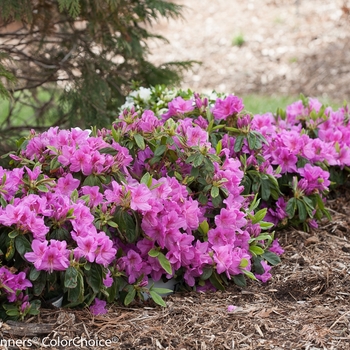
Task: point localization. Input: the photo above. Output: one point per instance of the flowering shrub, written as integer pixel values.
(182, 186)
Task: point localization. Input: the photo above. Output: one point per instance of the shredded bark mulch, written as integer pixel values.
(287, 47)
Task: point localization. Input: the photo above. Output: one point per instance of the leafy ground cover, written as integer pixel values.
(247, 173)
(304, 306)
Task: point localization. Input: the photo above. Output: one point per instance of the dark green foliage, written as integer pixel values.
(76, 59)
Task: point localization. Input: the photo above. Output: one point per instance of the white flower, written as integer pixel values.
(88, 131)
(129, 102)
(144, 93)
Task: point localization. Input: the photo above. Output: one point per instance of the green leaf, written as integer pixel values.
(71, 277)
(256, 250)
(42, 188)
(266, 225)
(112, 224)
(214, 157)
(271, 258)
(194, 172)
(113, 291)
(219, 147)
(217, 127)
(216, 281)
(154, 160)
(94, 277)
(14, 234)
(207, 272)
(197, 160)
(209, 166)
(76, 295)
(153, 252)
(146, 178)
(261, 237)
(291, 207)
(203, 199)
(91, 181)
(109, 150)
(115, 135)
(160, 150)
(251, 141)
(247, 183)
(34, 274)
(127, 225)
(179, 176)
(74, 197)
(302, 162)
(12, 313)
(230, 128)
(54, 164)
(254, 204)
(308, 202)
(238, 143)
(130, 296)
(162, 290)
(39, 284)
(265, 189)
(240, 280)
(9, 307)
(250, 275)
(204, 227)
(164, 262)
(258, 268)
(3, 203)
(10, 252)
(214, 192)
(301, 210)
(140, 141)
(217, 201)
(157, 298)
(244, 263)
(259, 216)
(59, 234)
(22, 245)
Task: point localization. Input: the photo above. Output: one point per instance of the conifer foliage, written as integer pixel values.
(81, 55)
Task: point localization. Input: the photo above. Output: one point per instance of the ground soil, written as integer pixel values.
(290, 47)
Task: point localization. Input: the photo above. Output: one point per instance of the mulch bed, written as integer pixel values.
(305, 306)
(290, 47)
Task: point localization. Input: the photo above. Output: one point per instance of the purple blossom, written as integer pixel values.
(95, 197)
(53, 257)
(276, 248)
(229, 106)
(140, 197)
(196, 136)
(231, 308)
(148, 122)
(11, 283)
(99, 307)
(316, 177)
(266, 275)
(133, 264)
(105, 253)
(67, 184)
(178, 107)
(81, 161)
(108, 280)
(286, 159)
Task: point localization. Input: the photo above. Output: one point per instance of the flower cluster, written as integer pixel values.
(182, 186)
